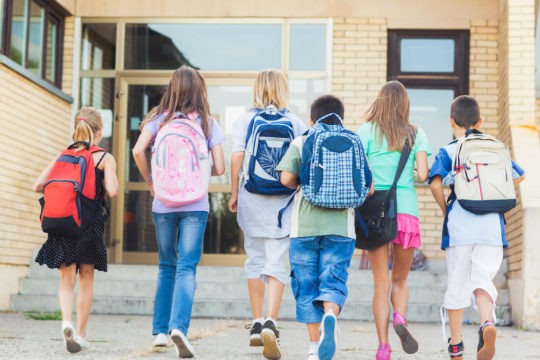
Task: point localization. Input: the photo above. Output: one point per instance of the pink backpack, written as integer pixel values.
(180, 163)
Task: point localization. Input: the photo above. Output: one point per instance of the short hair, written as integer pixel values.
(465, 111)
(271, 88)
(327, 104)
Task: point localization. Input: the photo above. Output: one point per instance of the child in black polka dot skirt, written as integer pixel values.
(80, 254)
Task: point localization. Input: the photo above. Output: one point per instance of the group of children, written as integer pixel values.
(282, 225)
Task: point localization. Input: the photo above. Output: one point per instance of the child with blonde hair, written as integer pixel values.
(78, 249)
(262, 137)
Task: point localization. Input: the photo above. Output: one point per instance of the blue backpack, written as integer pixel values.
(269, 135)
(334, 171)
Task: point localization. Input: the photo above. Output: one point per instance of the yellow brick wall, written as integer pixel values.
(36, 127)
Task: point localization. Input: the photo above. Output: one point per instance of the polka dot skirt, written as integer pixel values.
(87, 249)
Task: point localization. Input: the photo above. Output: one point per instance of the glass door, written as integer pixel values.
(132, 222)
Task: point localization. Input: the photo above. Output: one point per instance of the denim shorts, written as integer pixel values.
(319, 273)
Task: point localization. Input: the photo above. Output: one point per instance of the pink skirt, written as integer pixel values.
(408, 231)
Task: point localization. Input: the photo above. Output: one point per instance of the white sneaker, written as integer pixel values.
(183, 347)
(82, 342)
(161, 340)
(312, 356)
(68, 333)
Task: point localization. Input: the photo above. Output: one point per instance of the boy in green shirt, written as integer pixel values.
(322, 244)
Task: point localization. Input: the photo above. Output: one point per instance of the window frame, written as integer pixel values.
(52, 12)
(457, 80)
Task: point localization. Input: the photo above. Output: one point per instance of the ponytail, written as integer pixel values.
(88, 123)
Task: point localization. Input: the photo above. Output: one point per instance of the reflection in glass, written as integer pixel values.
(17, 51)
(430, 110)
(139, 230)
(210, 47)
(303, 92)
(98, 46)
(222, 236)
(227, 103)
(307, 47)
(141, 99)
(35, 38)
(50, 69)
(427, 55)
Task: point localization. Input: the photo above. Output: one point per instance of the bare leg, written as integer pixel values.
(86, 295)
(314, 332)
(256, 297)
(485, 305)
(331, 306)
(455, 318)
(275, 295)
(400, 270)
(68, 278)
(381, 280)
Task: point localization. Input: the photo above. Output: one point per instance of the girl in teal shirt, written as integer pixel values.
(383, 137)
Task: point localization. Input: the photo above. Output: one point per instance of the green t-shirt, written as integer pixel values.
(308, 219)
(383, 165)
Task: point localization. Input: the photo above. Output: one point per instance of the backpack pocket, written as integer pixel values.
(61, 213)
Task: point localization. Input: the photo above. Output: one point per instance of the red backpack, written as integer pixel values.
(68, 205)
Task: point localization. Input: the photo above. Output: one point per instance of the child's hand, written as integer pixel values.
(233, 203)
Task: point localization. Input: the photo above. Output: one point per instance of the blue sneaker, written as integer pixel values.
(327, 347)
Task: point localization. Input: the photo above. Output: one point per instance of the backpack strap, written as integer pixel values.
(405, 152)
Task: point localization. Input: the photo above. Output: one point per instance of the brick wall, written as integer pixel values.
(37, 127)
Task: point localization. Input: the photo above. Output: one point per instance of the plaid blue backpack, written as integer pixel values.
(269, 135)
(334, 172)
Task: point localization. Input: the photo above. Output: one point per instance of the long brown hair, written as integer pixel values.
(390, 112)
(88, 123)
(185, 93)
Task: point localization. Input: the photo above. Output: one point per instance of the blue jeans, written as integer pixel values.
(180, 238)
(319, 273)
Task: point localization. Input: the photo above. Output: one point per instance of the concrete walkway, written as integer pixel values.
(128, 337)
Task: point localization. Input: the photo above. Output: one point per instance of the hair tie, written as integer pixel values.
(82, 119)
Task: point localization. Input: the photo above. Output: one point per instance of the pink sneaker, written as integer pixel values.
(384, 352)
(408, 342)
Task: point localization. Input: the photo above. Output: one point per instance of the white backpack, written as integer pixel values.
(482, 170)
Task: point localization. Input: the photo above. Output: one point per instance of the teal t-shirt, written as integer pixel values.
(383, 165)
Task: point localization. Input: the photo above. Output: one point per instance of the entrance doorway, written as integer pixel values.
(132, 226)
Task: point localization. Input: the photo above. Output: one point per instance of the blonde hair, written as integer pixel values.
(390, 112)
(88, 123)
(185, 93)
(271, 88)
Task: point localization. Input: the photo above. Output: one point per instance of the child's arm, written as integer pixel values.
(111, 181)
(139, 156)
(422, 170)
(218, 164)
(42, 178)
(438, 193)
(289, 180)
(519, 179)
(237, 158)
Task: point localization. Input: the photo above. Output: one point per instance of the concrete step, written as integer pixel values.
(353, 310)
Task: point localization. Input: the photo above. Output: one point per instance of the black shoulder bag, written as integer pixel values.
(376, 219)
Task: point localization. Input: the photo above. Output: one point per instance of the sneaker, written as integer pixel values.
(183, 347)
(270, 340)
(255, 334)
(312, 356)
(408, 343)
(68, 334)
(327, 347)
(486, 341)
(456, 351)
(384, 352)
(82, 342)
(161, 340)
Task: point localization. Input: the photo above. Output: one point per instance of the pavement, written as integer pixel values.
(129, 337)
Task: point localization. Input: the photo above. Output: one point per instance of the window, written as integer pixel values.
(434, 66)
(32, 36)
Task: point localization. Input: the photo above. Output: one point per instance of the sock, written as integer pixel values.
(272, 320)
(258, 320)
(313, 347)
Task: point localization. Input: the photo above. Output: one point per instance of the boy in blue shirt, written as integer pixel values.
(474, 243)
